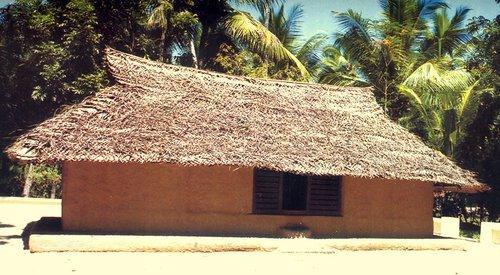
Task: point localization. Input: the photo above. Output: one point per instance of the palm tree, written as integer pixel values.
(377, 59)
(448, 33)
(446, 100)
(286, 27)
(337, 68)
(310, 53)
(159, 18)
(443, 99)
(177, 29)
(383, 50)
(221, 23)
(406, 19)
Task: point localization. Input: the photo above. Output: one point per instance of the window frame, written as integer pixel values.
(307, 211)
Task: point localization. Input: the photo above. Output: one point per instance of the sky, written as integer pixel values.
(318, 13)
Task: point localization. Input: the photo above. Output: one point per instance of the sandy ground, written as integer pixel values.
(14, 260)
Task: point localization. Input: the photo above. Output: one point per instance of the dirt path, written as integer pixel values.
(15, 260)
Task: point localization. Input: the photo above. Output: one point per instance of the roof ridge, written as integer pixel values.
(111, 52)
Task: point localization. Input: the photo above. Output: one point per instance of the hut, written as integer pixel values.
(175, 150)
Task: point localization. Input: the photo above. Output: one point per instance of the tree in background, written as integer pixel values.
(337, 68)
(285, 26)
(448, 33)
(222, 24)
(383, 51)
(446, 101)
(479, 149)
(177, 29)
(50, 58)
(256, 37)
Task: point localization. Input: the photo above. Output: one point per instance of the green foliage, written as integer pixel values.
(249, 64)
(258, 38)
(45, 174)
(336, 68)
(50, 52)
(378, 56)
(286, 27)
(177, 27)
(479, 149)
(46, 179)
(446, 101)
(442, 83)
(448, 33)
(241, 63)
(11, 176)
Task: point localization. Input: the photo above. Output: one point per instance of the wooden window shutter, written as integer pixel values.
(266, 191)
(324, 196)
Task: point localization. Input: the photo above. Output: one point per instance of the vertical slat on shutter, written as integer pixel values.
(266, 191)
(324, 196)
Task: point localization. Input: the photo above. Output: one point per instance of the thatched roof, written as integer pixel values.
(163, 113)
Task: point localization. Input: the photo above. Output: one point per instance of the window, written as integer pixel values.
(292, 194)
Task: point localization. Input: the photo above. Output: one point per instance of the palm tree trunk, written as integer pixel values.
(385, 97)
(162, 43)
(440, 46)
(203, 46)
(28, 181)
(132, 34)
(53, 191)
(193, 53)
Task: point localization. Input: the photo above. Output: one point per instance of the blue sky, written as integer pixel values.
(318, 13)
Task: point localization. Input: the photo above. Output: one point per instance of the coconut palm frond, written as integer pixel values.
(469, 102)
(336, 68)
(244, 28)
(397, 11)
(310, 52)
(410, 12)
(411, 94)
(426, 8)
(357, 49)
(353, 22)
(457, 79)
(158, 17)
(438, 88)
(334, 76)
(448, 33)
(258, 2)
(293, 21)
(355, 39)
(285, 26)
(466, 99)
(424, 76)
(457, 33)
(458, 20)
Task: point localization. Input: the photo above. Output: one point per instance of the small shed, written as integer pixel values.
(175, 150)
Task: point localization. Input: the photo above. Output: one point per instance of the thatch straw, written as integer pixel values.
(164, 113)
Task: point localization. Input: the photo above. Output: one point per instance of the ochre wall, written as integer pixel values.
(217, 200)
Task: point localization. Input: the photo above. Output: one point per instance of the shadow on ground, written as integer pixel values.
(4, 225)
(25, 235)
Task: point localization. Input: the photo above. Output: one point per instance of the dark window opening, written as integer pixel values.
(294, 192)
(280, 193)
